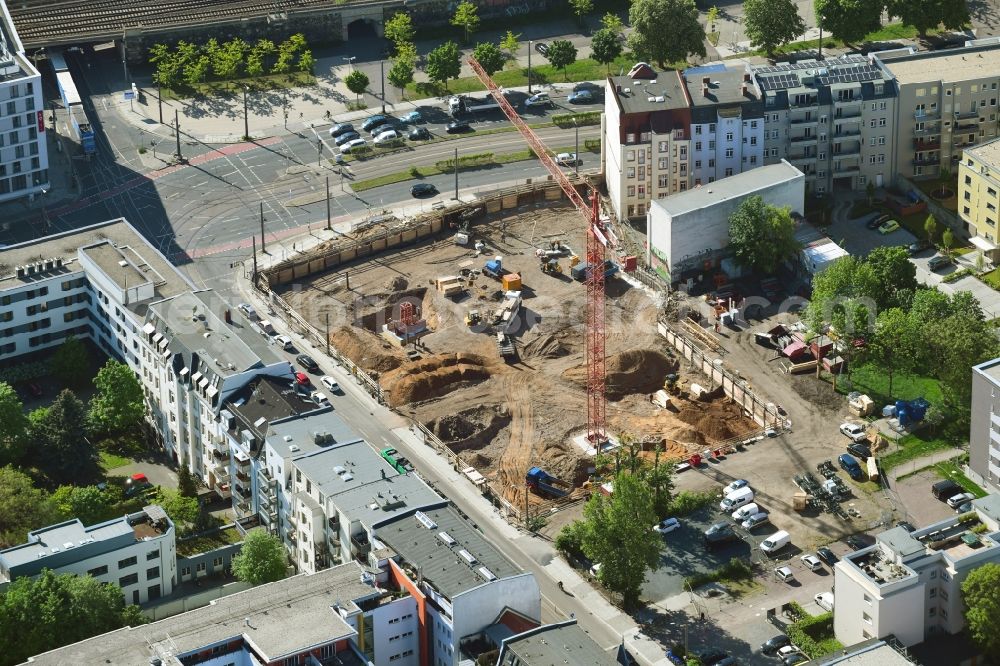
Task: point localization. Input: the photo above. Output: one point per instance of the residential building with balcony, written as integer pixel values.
(908, 585)
(462, 582)
(337, 617)
(831, 119)
(978, 188)
(24, 155)
(137, 551)
(984, 426)
(947, 101)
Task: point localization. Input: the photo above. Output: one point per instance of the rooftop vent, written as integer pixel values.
(348, 477)
(294, 448)
(424, 520)
(447, 538)
(467, 556)
(487, 574)
(123, 263)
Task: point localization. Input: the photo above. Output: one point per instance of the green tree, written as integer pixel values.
(489, 56)
(897, 275)
(510, 44)
(651, 41)
(619, 535)
(466, 17)
(930, 228)
(660, 478)
(65, 454)
(88, 503)
(771, 23)
(926, 14)
(605, 47)
(186, 485)
(870, 192)
(401, 72)
(261, 559)
(844, 295)
(13, 425)
(23, 507)
(947, 241)
(761, 235)
(892, 345)
(197, 70)
(981, 594)
(258, 58)
(213, 52)
(712, 17)
(232, 55)
(71, 362)
(562, 54)
(44, 613)
(167, 62)
(613, 22)
(307, 62)
(849, 20)
(357, 82)
(569, 541)
(287, 52)
(399, 29)
(184, 511)
(187, 53)
(443, 63)
(581, 8)
(118, 405)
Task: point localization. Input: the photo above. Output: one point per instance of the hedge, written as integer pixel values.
(582, 119)
(814, 635)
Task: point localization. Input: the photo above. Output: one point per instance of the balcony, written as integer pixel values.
(925, 161)
(801, 159)
(334, 523)
(242, 491)
(243, 462)
(803, 103)
(333, 536)
(852, 149)
(849, 119)
(853, 131)
(360, 545)
(846, 171)
(967, 126)
(965, 115)
(808, 120)
(802, 140)
(242, 476)
(920, 144)
(921, 114)
(928, 131)
(847, 102)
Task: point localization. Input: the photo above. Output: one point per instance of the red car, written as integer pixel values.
(302, 378)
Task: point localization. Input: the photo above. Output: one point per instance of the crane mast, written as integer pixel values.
(599, 239)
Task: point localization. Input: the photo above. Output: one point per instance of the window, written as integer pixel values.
(729, 172)
(697, 164)
(662, 163)
(729, 136)
(98, 571)
(881, 122)
(186, 571)
(968, 180)
(729, 152)
(127, 562)
(753, 141)
(200, 568)
(774, 152)
(697, 130)
(866, 617)
(868, 600)
(152, 555)
(933, 593)
(217, 562)
(642, 192)
(711, 128)
(711, 164)
(881, 141)
(630, 156)
(152, 572)
(822, 156)
(697, 145)
(130, 579)
(931, 612)
(753, 124)
(631, 190)
(642, 176)
(753, 159)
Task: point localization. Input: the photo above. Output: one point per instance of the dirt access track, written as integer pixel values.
(503, 418)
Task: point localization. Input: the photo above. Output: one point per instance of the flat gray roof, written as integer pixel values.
(563, 643)
(268, 398)
(734, 187)
(725, 87)
(382, 500)
(990, 370)
(668, 86)
(874, 652)
(990, 505)
(969, 63)
(442, 565)
(900, 541)
(288, 616)
(988, 153)
(300, 432)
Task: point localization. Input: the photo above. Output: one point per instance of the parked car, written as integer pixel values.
(938, 261)
(918, 246)
(302, 379)
(542, 47)
(735, 485)
(307, 362)
(284, 342)
(794, 658)
(811, 561)
(875, 220)
(965, 507)
(756, 520)
(745, 511)
(667, 525)
(859, 450)
(580, 97)
(381, 127)
(419, 134)
(373, 121)
(423, 190)
(346, 137)
(712, 656)
(945, 489)
(854, 431)
(848, 463)
(775, 542)
(906, 526)
(826, 555)
(351, 146)
(330, 383)
(736, 499)
(319, 398)
(340, 129)
(824, 600)
(248, 311)
(538, 99)
(566, 159)
(719, 533)
(784, 574)
(888, 227)
(387, 136)
(958, 499)
(413, 117)
(772, 645)
(856, 542)
(457, 127)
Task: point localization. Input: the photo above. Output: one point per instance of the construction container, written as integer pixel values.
(861, 406)
(574, 260)
(697, 390)
(631, 263)
(511, 282)
(799, 501)
(461, 239)
(578, 271)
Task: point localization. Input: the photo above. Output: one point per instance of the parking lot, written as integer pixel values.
(857, 239)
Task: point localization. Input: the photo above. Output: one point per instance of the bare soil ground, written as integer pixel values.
(503, 418)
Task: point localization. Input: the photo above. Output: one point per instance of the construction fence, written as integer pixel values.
(761, 411)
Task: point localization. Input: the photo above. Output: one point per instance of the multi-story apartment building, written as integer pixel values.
(338, 617)
(984, 428)
(978, 185)
(947, 101)
(833, 120)
(24, 156)
(136, 551)
(558, 643)
(908, 584)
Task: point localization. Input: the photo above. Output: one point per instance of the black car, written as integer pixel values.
(945, 489)
(423, 190)
(720, 533)
(856, 542)
(345, 137)
(456, 126)
(377, 119)
(542, 47)
(341, 128)
(875, 222)
(908, 526)
(307, 362)
(859, 450)
(918, 246)
(826, 555)
(419, 134)
(774, 644)
(378, 128)
(794, 658)
(711, 656)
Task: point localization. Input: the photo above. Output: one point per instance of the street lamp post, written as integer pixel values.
(159, 100)
(350, 60)
(381, 67)
(246, 119)
(576, 155)
(529, 66)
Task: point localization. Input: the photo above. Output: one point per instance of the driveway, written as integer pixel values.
(859, 240)
(157, 473)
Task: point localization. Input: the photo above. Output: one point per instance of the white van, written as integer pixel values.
(745, 512)
(776, 542)
(736, 499)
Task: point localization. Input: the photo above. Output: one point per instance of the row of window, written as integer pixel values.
(20, 182)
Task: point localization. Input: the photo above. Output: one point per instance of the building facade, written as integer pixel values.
(984, 427)
(908, 585)
(24, 156)
(978, 185)
(138, 552)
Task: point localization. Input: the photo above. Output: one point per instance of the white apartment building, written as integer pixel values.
(24, 157)
(909, 583)
(984, 426)
(136, 551)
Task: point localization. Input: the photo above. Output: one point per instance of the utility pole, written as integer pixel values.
(821, 40)
(328, 227)
(529, 66)
(159, 100)
(456, 174)
(177, 132)
(319, 151)
(263, 243)
(381, 67)
(254, 239)
(576, 155)
(327, 333)
(246, 120)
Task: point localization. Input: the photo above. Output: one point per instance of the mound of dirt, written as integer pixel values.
(634, 371)
(366, 349)
(715, 421)
(544, 346)
(433, 377)
(471, 428)
(398, 283)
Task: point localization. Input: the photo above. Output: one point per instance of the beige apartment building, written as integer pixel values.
(978, 185)
(946, 101)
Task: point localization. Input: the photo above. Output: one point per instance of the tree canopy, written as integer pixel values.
(771, 23)
(466, 17)
(70, 362)
(401, 72)
(981, 594)
(844, 295)
(399, 29)
(357, 82)
(90, 504)
(23, 507)
(44, 613)
(926, 14)
(762, 236)
(443, 63)
(63, 451)
(897, 274)
(561, 53)
(261, 559)
(490, 57)
(665, 31)
(118, 405)
(849, 20)
(581, 7)
(13, 425)
(605, 46)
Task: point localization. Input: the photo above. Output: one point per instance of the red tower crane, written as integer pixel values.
(599, 239)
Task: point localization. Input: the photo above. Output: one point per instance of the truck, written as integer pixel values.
(494, 268)
(579, 272)
(460, 105)
(545, 484)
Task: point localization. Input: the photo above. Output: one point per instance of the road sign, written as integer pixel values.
(129, 95)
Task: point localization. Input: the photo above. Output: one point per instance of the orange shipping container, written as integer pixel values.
(511, 282)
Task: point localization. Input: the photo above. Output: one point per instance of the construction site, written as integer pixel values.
(478, 333)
